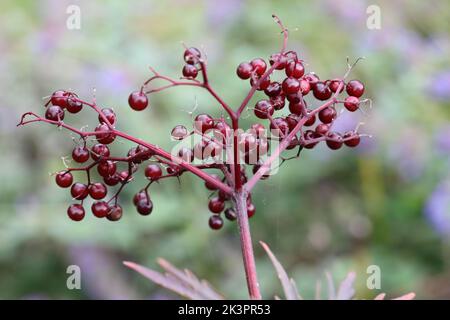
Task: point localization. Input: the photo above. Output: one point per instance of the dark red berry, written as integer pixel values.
(153, 171)
(311, 119)
(280, 58)
(273, 90)
(295, 69)
(322, 129)
(244, 70)
(305, 87)
(100, 209)
(351, 103)
(76, 212)
(230, 214)
(278, 101)
(321, 91)
(312, 78)
(144, 207)
(54, 113)
(327, 115)
(192, 55)
(223, 195)
(73, 106)
(99, 151)
(141, 195)
(109, 114)
(80, 154)
(64, 179)
(351, 139)
(292, 121)
(264, 109)
(97, 190)
(259, 66)
(79, 191)
(138, 101)
(106, 168)
(104, 135)
(355, 88)
(251, 209)
(334, 140)
(296, 108)
(334, 85)
(190, 71)
(216, 205)
(59, 98)
(203, 122)
(179, 132)
(279, 127)
(309, 136)
(115, 213)
(215, 222)
(263, 84)
(112, 180)
(291, 85)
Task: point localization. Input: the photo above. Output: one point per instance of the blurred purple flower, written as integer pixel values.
(439, 87)
(437, 208)
(442, 139)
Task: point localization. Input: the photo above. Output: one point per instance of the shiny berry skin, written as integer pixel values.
(259, 66)
(351, 103)
(76, 212)
(336, 142)
(64, 179)
(279, 127)
(209, 185)
(192, 55)
(54, 113)
(144, 207)
(215, 222)
(153, 171)
(99, 150)
(309, 135)
(295, 69)
(138, 100)
(292, 121)
(263, 108)
(291, 85)
(322, 129)
(251, 209)
(223, 196)
(321, 91)
(305, 87)
(80, 154)
(109, 114)
(355, 88)
(179, 132)
(263, 85)
(311, 119)
(100, 209)
(104, 135)
(73, 106)
(296, 108)
(230, 214)
(59, 98)
(203, 122)
(106, 168)
(244, 70)
(97, 190)
(281, 59)
(334, 85)
(351, 139)
(141, 195)
(312, 78)
(216, 205)
(79, 191)
(190, 71)
(115, 213)
(273, 90)
(327, 115)
(278, 101)
(112, 180)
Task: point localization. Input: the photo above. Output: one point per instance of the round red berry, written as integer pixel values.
(190, 71)
(80, 154)
(230, 214)
(100, 209)
(115, 213)
(351, 103)
(54, 113)
(327, 115)
(138, 101)
(153, 171)
(109, 114)
(215, 222)
(97, 190)
(192, 55)
(106, 168)
(216, 205)
(144, 207)
(355, 88)
(295, 69)
(251, 209)
(59, 98)
(73, 106)
(351, 139)
(334, 140)
(64, 179)
(79, 191)
(244, 70)
(259, 66)
(291, 85)
(76, 212)
(264, 109)
(203, 122)
(99, 151)
(321, 91)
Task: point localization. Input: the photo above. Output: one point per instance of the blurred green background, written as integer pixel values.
(386, 203)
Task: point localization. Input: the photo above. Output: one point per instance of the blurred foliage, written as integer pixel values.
(335, 211)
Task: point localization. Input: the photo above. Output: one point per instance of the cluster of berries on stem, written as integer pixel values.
(230, 159)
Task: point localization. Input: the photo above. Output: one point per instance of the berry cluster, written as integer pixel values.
(246, 151)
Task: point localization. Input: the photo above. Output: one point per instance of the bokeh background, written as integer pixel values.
(386, 203)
